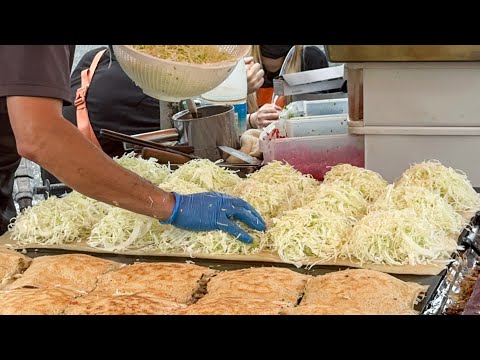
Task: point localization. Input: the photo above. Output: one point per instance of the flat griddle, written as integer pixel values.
(432, 281)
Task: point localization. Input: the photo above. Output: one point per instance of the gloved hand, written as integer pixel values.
(255, 74)
(267, 114)
(214, 211)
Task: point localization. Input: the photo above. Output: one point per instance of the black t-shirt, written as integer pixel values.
(313, 58)
(36, 70)
(114, 102)
(27, 70)
(31, 70)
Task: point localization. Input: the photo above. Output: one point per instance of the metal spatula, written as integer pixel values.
(240, 155)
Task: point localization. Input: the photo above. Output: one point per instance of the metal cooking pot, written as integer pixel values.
(215, 125)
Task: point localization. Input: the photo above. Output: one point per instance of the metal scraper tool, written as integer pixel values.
(240, 155)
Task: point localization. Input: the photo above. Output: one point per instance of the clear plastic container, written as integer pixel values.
(318, 107)
(317, 125)
(326, 107)
(315, 155)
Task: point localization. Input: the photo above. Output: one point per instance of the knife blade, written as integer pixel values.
(240, 155)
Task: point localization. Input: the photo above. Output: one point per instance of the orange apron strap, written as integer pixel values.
(265, 95)
(83, 121)
(280, 101)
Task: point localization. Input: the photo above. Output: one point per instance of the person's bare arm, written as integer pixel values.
(45, 137)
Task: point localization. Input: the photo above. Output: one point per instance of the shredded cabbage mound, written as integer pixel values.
(408, 224)
(452, 185)
(58, 220)
(181, 187)
(276, 172)
(124, 230)
(425, 203)
(148, 169)
(302, 232)
(193, 54)
(211, 242)
(276, 188)
(206, 174)
(397, 237)
(341, 198)
(370, 183)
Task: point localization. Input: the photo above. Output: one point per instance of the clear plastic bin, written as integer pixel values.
(317, 125)
(315, 155)
(318, 107)
(326, 107)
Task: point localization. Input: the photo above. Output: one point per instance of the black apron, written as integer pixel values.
(9, 161)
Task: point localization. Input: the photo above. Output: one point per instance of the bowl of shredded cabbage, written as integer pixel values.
(177, 72)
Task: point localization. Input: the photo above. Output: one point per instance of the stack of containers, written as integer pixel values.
(315, 138)
(415, 111)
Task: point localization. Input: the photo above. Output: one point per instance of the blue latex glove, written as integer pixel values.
(215, 211)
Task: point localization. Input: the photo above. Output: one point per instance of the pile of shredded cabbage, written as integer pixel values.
(276, 188)
(210, 242)
(425, 203)
(181, 186)
(397, 237)
(341, 198)
(452, 185)
(370, 183)
(124, 230)
(58, 220)
(303, 232)
(193, 54)
(76, 217)
(276, 172)
(206, 174)
(408, 224)
(148, 169)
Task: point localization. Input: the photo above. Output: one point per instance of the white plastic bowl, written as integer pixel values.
(174, 81)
